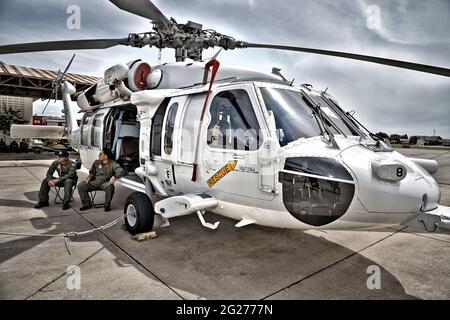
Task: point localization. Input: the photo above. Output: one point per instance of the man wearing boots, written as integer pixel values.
(67, 176)
(102, 176)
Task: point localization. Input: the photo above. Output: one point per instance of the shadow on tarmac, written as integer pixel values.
(251, 263)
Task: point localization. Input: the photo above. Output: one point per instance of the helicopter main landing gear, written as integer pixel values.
(139, 213)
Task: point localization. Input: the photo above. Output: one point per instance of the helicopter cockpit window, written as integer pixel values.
(170, 125)
(333, 115)
(293, 117)
(233, 122)
(85, 130)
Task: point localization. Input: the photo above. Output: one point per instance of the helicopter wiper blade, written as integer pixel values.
(388, 62)
(319, 116)
(143, 8)
(371, 134)
(354, 129)
(62, 45)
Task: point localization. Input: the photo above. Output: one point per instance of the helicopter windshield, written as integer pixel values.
(333, 115)
(294, 115)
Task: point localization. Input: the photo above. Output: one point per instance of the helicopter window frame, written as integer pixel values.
(169, 127)
(96, 130)
(84, 132)
(157, 129)
(110, 128)
(190, 127)
(277, 134)
(253, 102)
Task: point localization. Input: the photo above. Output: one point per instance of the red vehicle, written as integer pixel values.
(39, 121)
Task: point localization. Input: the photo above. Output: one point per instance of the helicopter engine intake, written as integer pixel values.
(120, 81)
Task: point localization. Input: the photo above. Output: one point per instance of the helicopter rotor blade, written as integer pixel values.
(388, 62)
(143, 8)
(68, 66)
(57, 82)
(62, 45)
(43, 110)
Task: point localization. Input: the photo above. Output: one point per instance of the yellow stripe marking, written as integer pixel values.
(222, 173)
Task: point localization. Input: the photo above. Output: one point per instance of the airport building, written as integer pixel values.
(21, 86)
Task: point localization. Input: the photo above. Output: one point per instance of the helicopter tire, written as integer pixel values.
(139, 213)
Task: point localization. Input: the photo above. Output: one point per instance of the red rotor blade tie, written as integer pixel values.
(215, 67)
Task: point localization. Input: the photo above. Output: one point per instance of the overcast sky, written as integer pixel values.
(385, 98)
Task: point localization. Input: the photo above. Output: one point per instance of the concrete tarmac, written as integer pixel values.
(187, 261)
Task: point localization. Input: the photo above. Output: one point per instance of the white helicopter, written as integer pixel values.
(247, 145)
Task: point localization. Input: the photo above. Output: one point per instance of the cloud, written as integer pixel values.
(385, 98)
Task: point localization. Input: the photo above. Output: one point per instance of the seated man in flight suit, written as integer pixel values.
(67, 178)
(102, 176)
(2, 145)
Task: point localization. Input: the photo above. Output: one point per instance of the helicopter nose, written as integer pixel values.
(321, 194)
(390, 182)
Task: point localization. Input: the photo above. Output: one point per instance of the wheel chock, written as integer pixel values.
(144, 236)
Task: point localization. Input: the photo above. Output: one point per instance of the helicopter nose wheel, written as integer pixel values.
(139, 213)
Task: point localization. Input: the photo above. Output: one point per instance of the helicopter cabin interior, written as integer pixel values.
(115, 128)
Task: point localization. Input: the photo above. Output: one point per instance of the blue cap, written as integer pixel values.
(62, 153)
